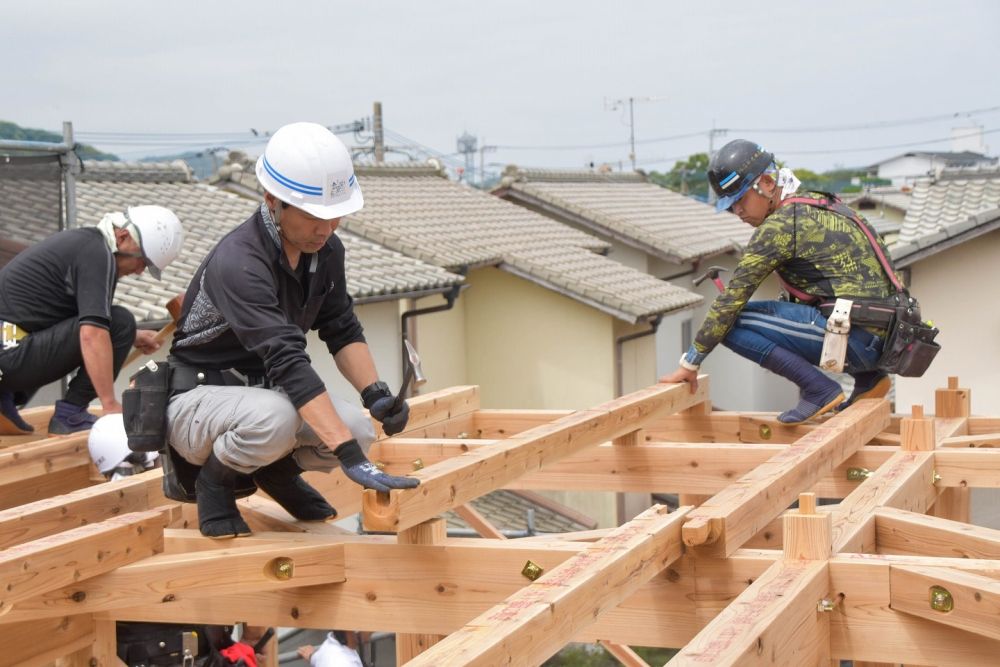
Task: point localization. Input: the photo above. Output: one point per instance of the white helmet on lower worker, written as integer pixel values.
(307, 166)
(108, 445)
(160, 235)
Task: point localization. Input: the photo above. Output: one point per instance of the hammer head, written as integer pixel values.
(712, 273)
(414, 358)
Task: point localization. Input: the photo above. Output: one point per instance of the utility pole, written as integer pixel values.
(377, 133)
(613, 105)
(483, 149)
(467, 145)
(711, 151)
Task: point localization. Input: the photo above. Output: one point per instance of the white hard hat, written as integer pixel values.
(160, 235)
(307, 166)
(108, 445)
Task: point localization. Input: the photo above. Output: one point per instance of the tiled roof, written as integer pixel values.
(892, 197)
(508, 511)
(207, 214)
(415, 210)
(954, 207)
(661, 222)
(949, 201)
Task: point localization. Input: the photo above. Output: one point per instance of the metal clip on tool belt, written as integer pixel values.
(838, 328)
(11, 334)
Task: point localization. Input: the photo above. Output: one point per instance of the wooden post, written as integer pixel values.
(917, 431)
(105, 649)
(953, 503)
(410, 645)
(808, 535)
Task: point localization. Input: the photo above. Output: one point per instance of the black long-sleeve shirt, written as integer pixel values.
(247, 309)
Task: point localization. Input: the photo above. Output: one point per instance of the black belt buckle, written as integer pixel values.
(234, 377)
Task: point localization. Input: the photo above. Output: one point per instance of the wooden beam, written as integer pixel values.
(105, 650)
(28, 490)
(48, 517)
(973, 601)
(40, 643)
(536, 622)
(42, 457)
(494, 423)
(902, 532)
(905, 481)
(431, 533)
(988, 440)
(479, 523)
(807, 533)
(623, 654)
(865, 627)
(167, 578)
(774, 621)
(49, 563)
(697, 468)
(457, 481)
(733, 516)
(429, 412)
(968, 468)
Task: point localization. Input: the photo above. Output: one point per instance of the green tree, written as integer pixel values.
(15, 132)
(688, 177)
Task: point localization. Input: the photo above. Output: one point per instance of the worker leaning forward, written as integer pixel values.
(821, 251)
(56, 313)
(243, 326)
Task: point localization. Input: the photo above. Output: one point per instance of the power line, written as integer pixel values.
(877, 125)
(912, 144)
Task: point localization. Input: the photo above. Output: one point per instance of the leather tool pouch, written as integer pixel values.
(144, 406)
(909, 347)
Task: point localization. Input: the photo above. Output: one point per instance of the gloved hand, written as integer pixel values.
(359, 469)
(240, 654)
(382, 405)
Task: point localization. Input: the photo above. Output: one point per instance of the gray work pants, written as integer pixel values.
(248, 428)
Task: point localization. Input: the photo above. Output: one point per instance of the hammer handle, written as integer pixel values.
(161, 336)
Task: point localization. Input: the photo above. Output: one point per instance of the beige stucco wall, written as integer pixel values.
(530, 347)
(947, 285)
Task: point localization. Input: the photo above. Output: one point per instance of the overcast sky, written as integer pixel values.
(512, 73)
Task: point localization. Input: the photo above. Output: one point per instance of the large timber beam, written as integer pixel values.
(49, 563)
(965, 468)
(466, 477)
(42, 643)
(901, 532)
(865, 626)
(730, 518)
(166, 578)
(969, 602)
(536, 622)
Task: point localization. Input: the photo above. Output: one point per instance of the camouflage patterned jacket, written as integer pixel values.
(814, 250)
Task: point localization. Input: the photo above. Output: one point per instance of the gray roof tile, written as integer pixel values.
(665, 223)
(207, 214)
(415, 210)
(947, 203)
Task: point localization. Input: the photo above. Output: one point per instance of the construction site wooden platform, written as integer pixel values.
(890, 573)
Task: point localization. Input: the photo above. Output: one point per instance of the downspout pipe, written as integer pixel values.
(654, 324)
(450, 297)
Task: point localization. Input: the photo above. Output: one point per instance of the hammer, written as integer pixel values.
(412, 375)
(174, 308)
(713, 273)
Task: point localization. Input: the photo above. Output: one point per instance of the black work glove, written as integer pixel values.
(382, 405)
(359, 469)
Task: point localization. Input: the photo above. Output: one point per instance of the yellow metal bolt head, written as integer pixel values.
(283, 568)
(765, 432)
(941, 599)
(418, 464)
(532, 571)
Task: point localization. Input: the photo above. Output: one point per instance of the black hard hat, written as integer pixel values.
(734, 168)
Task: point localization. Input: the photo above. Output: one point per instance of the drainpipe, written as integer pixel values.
(654, 324)
(450, 297)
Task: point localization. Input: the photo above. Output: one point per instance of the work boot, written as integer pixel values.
(218, 516)
(10, 419)
(817, 393)
(282, 480)
(70, 418)
(868, 384)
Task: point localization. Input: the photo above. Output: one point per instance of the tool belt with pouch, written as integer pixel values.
(909, 347)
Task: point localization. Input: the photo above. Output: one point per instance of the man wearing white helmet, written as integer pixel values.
(246, 399)
(108, 445)
(57, 317)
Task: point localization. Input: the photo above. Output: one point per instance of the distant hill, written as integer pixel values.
(15, 132)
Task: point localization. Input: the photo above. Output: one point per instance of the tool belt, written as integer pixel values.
(10, 334)
(185, 378)
(878, 313)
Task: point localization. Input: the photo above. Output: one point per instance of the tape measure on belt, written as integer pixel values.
(11, 334)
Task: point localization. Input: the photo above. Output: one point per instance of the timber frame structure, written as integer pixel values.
(891, 573)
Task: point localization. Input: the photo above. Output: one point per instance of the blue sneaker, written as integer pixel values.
(69, 418)
(10, 419)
